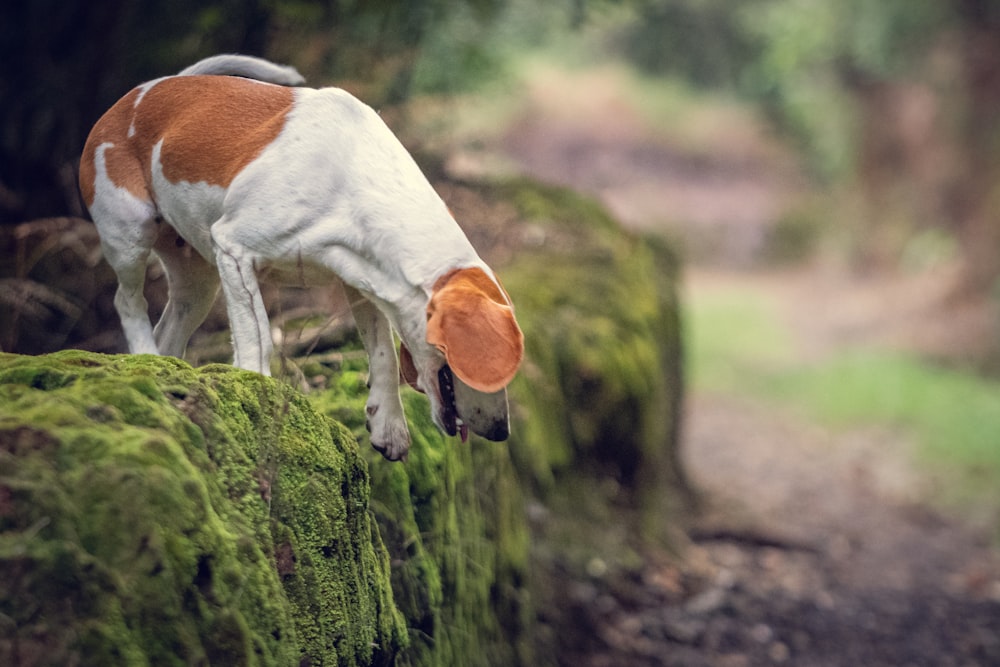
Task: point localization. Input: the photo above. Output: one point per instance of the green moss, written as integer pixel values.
(452, 520)
(155, 514)
(597, 401)
(554, 205)
(599, 310)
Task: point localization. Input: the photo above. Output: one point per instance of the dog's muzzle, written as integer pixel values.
(464, 408)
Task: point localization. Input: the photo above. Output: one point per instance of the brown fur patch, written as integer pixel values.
(479, 279)
(211, 127)
(126, 170)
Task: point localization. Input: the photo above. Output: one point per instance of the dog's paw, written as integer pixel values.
(390, 437)
(393, 444)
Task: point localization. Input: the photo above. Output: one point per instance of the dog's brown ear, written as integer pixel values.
(407, 369)
(471, 320)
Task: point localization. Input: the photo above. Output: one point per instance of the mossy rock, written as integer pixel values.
(161, 503)
(155, 514)
(598, 399)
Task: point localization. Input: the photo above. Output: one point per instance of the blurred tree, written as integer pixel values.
(900, 100)
(812, 54)
(976, 194)
(699, 40)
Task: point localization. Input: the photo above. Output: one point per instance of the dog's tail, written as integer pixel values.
(245, 66)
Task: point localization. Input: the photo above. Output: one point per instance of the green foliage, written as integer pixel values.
(812, 52)
(799, 58)
(460, 54)
(701, 41)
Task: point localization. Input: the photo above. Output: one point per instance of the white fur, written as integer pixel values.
(335, 195)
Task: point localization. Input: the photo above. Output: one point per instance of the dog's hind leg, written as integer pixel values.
(248, 321)
(192, 286)
(128, 230)
(384, 410)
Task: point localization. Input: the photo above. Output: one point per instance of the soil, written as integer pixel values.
(812, 547)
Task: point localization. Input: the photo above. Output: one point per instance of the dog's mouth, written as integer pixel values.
(450, 420)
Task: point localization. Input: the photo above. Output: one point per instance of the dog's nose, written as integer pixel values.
(487, 415)
(497, 432)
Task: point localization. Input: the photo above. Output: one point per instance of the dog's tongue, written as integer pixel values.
(463, 431)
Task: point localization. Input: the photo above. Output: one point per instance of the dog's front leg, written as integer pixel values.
(384, 410)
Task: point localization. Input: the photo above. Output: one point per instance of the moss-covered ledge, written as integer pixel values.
(155, 514)
(452, 519)
(598, 400)
(597, 403)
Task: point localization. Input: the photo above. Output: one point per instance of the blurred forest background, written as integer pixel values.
(893, 105)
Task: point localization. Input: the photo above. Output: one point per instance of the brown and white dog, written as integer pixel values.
(225, 172)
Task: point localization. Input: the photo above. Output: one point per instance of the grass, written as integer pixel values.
(739, 345)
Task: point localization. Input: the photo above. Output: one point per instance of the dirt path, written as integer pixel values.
(824, 539)
(816, 548)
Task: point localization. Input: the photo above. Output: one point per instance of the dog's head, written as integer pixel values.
(472, 351)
